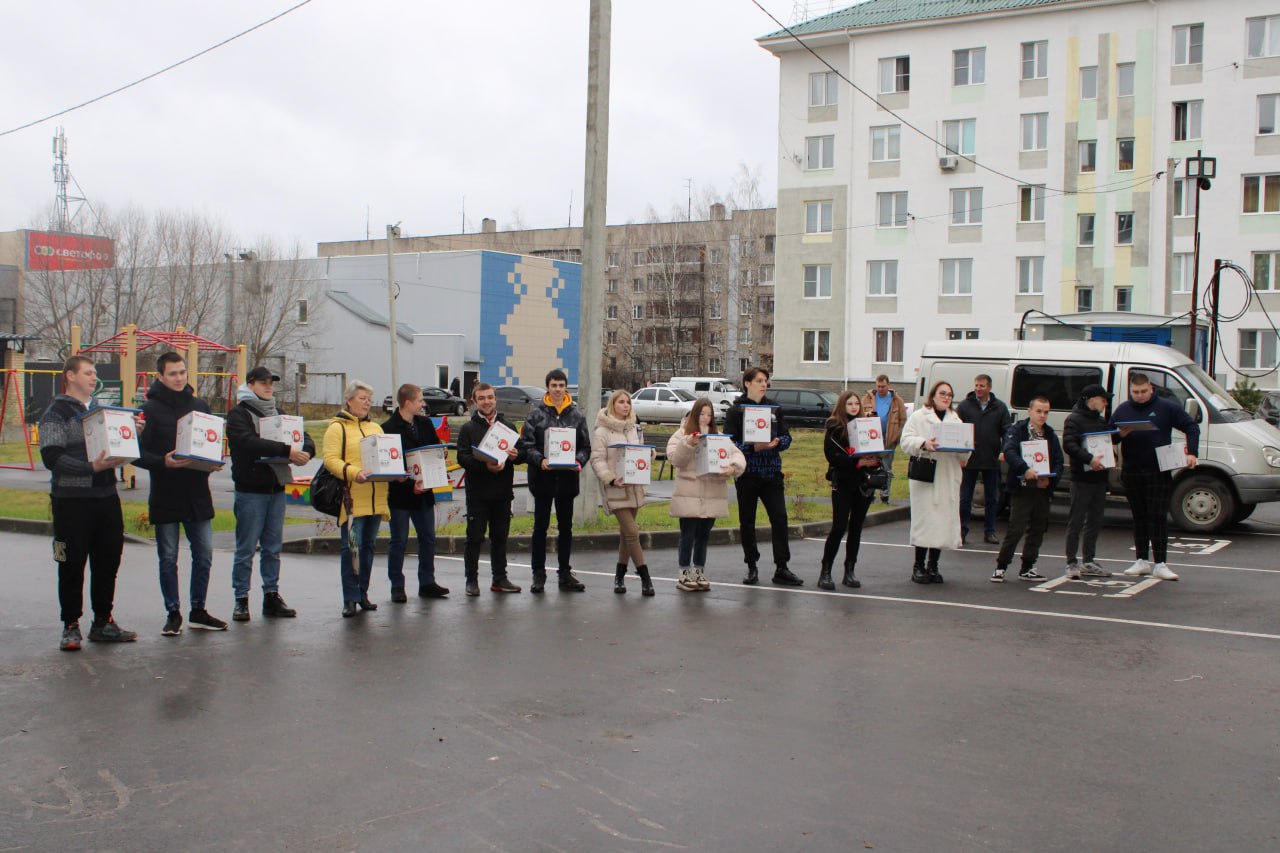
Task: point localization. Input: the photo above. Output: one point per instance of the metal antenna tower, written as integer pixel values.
(62, 216)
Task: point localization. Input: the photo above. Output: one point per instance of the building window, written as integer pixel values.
(1181, 272)
(613, 285)
(1088, 155)
(611, 338)
(961, 136)
(1124, 79)
(1124, 155)
(302, 374)
(891, 210)
(1124, 298)
(817, 345)
(613, 259)
(819, 152)
(1188, 44)
(1035, 60)
(744, 335)
(639, 259)
(1084, 300)
(768, 244)
(1258, 350)
(817, 217)
(637, 285)
(823, 89)
(969, 67)
(302, 312)
(957, 277)
(1261, 194)
(966, 206)
(637, 337)
(766, 274)
(637, 312)
(1031, 203)
(765, 304)
(962, 334)
(715, 311)
(1264, 36)
(895, 74)
(817, 283)
(1267, 109)
(1035, 131)
(1030, 276)
(1124, 229)
(1085, 229)
(714, 365)
(882, 278)
(1186, 120)
(886, 143)
(1089, 83)
(717, 256)
(611, 312)
(1266, 265)
(1184, 197)
(888, 344)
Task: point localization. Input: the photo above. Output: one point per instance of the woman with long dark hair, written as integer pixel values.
(851, 490)
(935, 501)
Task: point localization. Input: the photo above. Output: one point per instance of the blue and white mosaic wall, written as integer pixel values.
(529, 318)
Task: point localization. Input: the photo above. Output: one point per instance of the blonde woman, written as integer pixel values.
(616, 424)
(935, 506)
(368, 498)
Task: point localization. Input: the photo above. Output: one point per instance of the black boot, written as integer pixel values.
(539, 582)
(619, 578)
(646, 585)
(241, 611)
(824, 577)
(919, 574)
(753, 575)
(849, 579)
(934, 575)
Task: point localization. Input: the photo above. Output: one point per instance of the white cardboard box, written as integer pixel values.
(757, 424)
(429, 465)
(287, 429)
(714, 452)
(952, 435)
(560, 447)
(1036, 454)
(200, 440)
(634, 464)
(1100, 444)
(110, 429)
(1171, 457)
(382, 456)
(865, 436)
(497, 441)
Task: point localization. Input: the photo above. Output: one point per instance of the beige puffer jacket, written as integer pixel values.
(604, 460)
(699, 497)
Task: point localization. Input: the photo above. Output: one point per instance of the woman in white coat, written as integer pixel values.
(616, 424)
(935, 507)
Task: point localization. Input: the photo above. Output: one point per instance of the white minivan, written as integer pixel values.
(1239, 462)
(721, 392)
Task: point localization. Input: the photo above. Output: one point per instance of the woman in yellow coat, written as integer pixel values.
(368, 498)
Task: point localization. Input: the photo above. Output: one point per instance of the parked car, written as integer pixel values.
(435, 402)
(1269, 408)
(515, 401)
(661, 405)
(803, 406)
(721, 392)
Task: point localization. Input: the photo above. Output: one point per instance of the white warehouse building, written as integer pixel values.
(1054, 201)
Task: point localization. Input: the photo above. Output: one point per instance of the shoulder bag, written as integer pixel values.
(920, 469)
(328, 493)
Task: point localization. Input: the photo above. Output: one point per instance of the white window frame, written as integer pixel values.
(1031, 202)
(1031, 275)
(970, 64)
(882, 278)
(956, 276)
(1262, 37)
(816, 279)
(1126, 70)
(966, 206)
(1133, 153)
(637, 312)
(1087, 154)
(1256, 342)
(1181, 272)
(1124, 222)
(1092, 231)
(717, 256)
(819, 152)
(1084, 295)
(1268, 104)
(1038, 58)
(824, 89)
(612, 286)
(887, 343)
(897, 209)
(895, 74)
(960, 136)
(1184, 197)
(613, 259)
(611, 312)
(714, 313)
(886, 143)
(813, 342)
(817, 216)
(1088, 82)
(1127, 293)
(1263, 181)
(1266, 283)
(1035, 126)
(1188, 44)
(1188, 120)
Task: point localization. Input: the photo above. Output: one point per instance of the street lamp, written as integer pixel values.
(1201, 171)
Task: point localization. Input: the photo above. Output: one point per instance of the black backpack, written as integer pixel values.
(329, 494)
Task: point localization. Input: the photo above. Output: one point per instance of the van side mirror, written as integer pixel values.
(1192, 407)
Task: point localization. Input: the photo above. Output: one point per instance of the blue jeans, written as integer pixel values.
(990, 497)
(886, 459)
(259, 521)
(200, 540)
(365, 527)
(424, 527)
(694, 533)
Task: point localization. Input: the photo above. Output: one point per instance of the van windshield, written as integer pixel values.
(1218, 398)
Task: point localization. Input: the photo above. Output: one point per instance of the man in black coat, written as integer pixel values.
(179, 495)
(991, 419)
(554, 486)
(488, 487)
(1088, 479)
(1029, 492)
(409, 502)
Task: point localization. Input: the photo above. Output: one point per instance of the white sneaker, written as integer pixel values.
(700, 579)
(686, 583)
(1163, 572)
(1140, 567)
(1073, 571)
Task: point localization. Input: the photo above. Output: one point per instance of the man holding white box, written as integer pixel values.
(489, 492)
(410, 502)
(1034, 457)
(1087, 443)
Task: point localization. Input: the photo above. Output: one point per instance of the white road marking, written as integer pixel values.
(1138, 587)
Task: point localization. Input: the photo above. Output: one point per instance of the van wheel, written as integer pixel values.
(1202, 504)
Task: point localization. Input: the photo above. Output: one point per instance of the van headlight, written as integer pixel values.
(1272, 455)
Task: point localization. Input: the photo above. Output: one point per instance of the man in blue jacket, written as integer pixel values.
(1146, 487)
(1029, 492)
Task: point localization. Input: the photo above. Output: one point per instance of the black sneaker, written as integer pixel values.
(569, 583)
(503, 584)
(241, 611)
(785, 577)
(202, 620)
(1030, 575)
(990, 539)
(398, 596)
(539, 583)
(473, 588)
(172, 625)
(273, 605)
(432, 590)
(107, 631)
(70, 638)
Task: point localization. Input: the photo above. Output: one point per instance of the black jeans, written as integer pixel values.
(1149, 493)
(1088, 504)
(1029, 515)
(542, 521)
(89, 529)
(848, 511)
(496, 516)
(770, 493)
(694, 533)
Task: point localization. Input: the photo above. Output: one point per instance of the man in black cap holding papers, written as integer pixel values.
(1087, 425)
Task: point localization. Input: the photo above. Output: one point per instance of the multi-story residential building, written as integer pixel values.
(1022, 155)
(680, 297)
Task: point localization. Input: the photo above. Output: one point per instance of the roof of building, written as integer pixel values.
(873, 13)
(364, 312)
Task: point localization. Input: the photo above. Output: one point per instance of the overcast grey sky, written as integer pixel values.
(405, 106)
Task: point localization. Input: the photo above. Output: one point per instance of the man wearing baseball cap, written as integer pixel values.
(1030, 491)
(1088, 479)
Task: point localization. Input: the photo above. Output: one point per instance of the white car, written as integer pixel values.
(661, 405)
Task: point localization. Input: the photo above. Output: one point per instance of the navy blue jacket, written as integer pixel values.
(764, 464)
(1020, 432)
(1140, 447)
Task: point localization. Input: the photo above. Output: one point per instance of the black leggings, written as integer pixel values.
(928, 556)
(848, 511)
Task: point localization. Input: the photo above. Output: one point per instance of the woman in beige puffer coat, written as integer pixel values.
(616, 424)
(698, 501)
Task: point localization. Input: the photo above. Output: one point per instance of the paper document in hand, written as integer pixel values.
(1100, 444)
(1171, 457)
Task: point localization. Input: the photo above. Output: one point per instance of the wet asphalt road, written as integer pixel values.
(967, 716)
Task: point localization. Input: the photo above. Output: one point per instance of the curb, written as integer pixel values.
(45, 528)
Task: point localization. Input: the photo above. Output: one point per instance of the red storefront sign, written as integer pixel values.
(47, 250)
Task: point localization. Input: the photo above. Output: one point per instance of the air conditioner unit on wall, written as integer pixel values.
(948, 163)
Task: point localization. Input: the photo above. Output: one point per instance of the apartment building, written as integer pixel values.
(1022, 170)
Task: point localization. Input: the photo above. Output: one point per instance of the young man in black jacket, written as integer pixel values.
(1088, 480)
(409, 502)
(87, 521)
(1029, 493)
(179, 497)
(489, 492)
(554, 486)
(259, 469)
(991, 420)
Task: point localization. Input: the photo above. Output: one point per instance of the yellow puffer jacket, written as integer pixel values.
(366, 498)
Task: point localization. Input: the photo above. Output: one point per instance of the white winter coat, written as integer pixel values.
(935, 507)
(694, 496)
(604, 459)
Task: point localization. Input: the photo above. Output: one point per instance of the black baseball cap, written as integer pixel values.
(261, 374)
(1095, 390)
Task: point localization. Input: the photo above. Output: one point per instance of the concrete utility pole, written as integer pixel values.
(393, 231)
(591, 324)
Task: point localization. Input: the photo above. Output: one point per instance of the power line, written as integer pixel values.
(155, 74)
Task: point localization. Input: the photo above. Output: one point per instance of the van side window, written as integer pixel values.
(1169, 387)
(1061, 383)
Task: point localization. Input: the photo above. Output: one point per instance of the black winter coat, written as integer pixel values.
(844, 471)
(177, 494)
(556, 482)
(1080, 423)
(420, 433)
(482, 484)
(989, 428)
(247, 447)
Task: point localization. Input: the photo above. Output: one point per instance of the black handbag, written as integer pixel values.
(921, 470)
(328, 493)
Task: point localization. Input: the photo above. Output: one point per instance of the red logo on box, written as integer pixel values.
(126, 433)
(566, 446)
(395, 454)
(724, 454)
(641, 464)
(1039, 457)
(297, 435)
(211, 435)
(873, 434)
(760, 423)
(502, 444)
